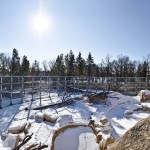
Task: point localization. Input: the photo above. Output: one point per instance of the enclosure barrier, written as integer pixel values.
(36, 87)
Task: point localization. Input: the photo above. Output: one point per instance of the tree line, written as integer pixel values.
(71, 65)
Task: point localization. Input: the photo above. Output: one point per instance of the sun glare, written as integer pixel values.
(41, 23)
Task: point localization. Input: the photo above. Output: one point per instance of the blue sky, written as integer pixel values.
(98, 26)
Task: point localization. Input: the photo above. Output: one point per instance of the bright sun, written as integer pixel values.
(41, 23)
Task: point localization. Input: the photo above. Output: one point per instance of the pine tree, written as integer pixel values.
(89, 63)
(69, 61)
(25, 66)
(59, 66)
(15, 64)
(144, 69)
(35, 68)
(80, 65)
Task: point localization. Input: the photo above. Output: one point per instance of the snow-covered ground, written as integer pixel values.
(119, 113)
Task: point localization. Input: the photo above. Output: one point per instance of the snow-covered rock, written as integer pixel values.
(104, 120)
(105, 128)
(50, 117)
(39, 116)
(16, 128)
(11, 141)
(144, 95)
(65, 120)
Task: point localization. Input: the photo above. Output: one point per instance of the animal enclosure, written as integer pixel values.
(12, 87)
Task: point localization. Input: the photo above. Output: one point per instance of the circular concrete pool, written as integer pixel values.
(78, 138)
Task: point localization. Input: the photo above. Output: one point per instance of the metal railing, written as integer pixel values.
(12, 87)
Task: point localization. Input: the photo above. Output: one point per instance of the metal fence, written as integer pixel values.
(12, 87)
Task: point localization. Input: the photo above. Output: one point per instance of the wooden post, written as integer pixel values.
(136, 84)
(1, 88)
(22, 89)
(40, 88)
(74, 84)
(65, 84)
(96, 82)
(58, 88)
(32, 87)
(146, 83)
(49, 86)
(126, 85)
(87, 85)
(11, 90)
(78, 84)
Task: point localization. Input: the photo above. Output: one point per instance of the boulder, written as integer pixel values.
(103, 145)
(145, 108)
(99, 137)
(104, 120)
(105, 129)
(65, 120)
(15, 129)
(12, 140)
(110, 139)
(27, 127)
(51, 118)
(98, 124)
(144, 95)
(91, 123)
(97, 130)
(39, 116)
(136, 138)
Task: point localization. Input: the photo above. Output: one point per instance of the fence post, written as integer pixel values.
(126, 85)
(57, 86)
(49, 87)
(40, 87)
(136, 84)
(1, 88)
(11, 90)
(65, 84)
(32, 87)
(22, 89)
(146, 83)
(78, 84)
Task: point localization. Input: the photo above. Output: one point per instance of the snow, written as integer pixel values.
(79, 138)
(15, 116)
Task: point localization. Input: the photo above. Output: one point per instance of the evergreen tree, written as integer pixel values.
(70, 60)
(15, 64)
(35, 68)
(89, 63)
(144, 69)
(67, 64)
(25, 66)
(80, 63)
(59, 66)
